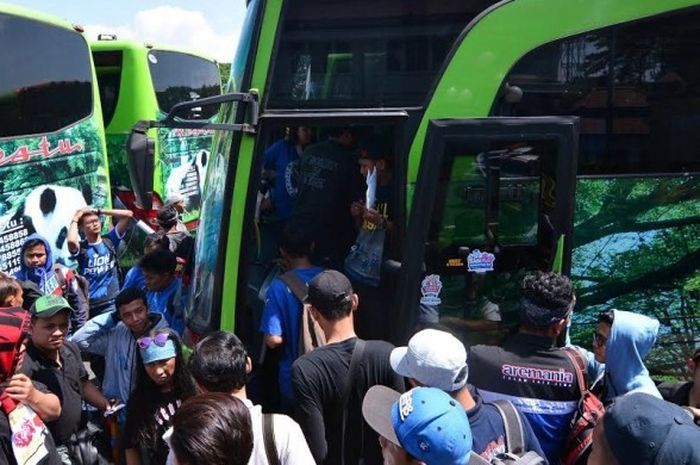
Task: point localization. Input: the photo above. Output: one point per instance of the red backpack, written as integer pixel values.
(590, 410)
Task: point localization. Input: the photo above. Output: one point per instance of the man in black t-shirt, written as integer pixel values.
(328, 182)
(320, 378)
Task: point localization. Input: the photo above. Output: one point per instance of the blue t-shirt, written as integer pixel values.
(281, 317)
(135, 278)
(280, 157)
(98, 264)
(170, 303)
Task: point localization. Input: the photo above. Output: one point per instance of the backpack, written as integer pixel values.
(76, 289)
(310, 333)
(515, 441)
(64, 280)
(590, 410)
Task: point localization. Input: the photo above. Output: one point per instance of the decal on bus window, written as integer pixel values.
(480, 262)
(430, 290)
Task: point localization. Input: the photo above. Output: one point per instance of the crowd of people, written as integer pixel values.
(94, 369)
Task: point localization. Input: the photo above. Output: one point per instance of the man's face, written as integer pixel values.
(50, 333)
(600, 341)
(91, 223)
(135, 316)
(161, 372)
(600, 452)
(157, 281)
(303, 135)
(393, 454)
(35, 256)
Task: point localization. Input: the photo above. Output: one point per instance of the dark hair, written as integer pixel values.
(140, 417)
(85, 215)
(547, 289)
(9, 287)
(128, 295)
(607, 317)
(159, 261)
(212, 429)
(157, 239)
(338, 311)
(296, 241)
(218, 362)
(29, 243)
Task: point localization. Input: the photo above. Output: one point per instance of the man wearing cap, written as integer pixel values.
(177, 201)
(688, 393)
(56, 363)
(640, 429)
(331, 421)
(181, 243)
(529, 370)
(438, 359)
(421, 426)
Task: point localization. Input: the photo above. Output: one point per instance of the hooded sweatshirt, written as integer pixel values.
(112, 339)
(631, 338)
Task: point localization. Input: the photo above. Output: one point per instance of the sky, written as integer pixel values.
(210, 27)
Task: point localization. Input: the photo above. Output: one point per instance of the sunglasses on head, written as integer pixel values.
(159, 339)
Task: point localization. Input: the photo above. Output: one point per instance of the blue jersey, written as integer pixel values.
(98, 264)
(280, 157)
(169, 302)
(135, 278)
(282, 317)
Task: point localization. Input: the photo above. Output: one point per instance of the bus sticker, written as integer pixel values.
(480, 262)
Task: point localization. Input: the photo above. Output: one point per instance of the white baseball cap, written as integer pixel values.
(433, 358)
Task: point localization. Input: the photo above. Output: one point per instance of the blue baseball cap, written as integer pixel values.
(426, 422)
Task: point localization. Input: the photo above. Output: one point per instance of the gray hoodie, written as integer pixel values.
(105, 336)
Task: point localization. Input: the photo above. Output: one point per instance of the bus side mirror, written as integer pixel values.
(140, 151)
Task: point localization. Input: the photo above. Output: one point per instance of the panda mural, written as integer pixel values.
(188, 180)
(47, 210)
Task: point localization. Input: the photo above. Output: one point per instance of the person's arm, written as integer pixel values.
(271, 321)
(132, 456)
(78, 301)
(124, 219)
(73, 238)
(93, 337)
(94, 396)
(309, 415)
(46, 405)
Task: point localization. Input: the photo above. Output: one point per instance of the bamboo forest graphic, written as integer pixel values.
(637, 248)
(43, 181)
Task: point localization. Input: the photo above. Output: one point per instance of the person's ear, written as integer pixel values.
(248, 365)
(559, 326)
(355, 302)
(691, 365)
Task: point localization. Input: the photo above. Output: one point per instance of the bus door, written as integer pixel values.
(493, 199)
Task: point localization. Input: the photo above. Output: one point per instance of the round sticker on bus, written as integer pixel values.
(480, 262)
(152, 58)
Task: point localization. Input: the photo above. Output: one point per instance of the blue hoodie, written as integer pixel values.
(631, 338)
(42, 276)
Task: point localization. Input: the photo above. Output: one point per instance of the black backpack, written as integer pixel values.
(515, 441)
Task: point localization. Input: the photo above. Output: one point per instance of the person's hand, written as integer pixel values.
(695, 413)
(356, 209)
(373, 216)
(21, 389)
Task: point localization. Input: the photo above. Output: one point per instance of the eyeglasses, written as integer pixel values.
(599, 339)
(159, 339)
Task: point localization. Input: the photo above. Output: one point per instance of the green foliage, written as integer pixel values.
(225, 71)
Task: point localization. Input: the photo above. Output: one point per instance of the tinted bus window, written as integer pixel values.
(46, 84)
(364, 53)
(636, 88)
(108, 66)
(178, 77)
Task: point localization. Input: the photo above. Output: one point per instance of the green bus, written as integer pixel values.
(526, 134)
(140, 81)
(53, 158)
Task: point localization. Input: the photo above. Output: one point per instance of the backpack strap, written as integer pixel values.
(476, 459)
(579, 363)
(357, 353)
(531, 458)
(295, 284)
(268, 424)
(512, 423)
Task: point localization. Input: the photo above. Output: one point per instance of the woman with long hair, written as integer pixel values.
(163, 382)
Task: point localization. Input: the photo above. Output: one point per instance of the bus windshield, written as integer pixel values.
(45, 91)
(364, 53)
(178, 77)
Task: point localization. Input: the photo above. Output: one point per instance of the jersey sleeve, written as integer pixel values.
(271, 321)
(113, 235)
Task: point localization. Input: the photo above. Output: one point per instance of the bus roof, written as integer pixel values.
(37, 15)
(136, 46)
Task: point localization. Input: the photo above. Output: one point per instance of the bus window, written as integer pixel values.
(41, 90)
(370, 53)
(108, 66)
(178, 77)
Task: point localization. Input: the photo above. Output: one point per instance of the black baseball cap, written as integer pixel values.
(167, 215)
(47, 306)
(329, 290)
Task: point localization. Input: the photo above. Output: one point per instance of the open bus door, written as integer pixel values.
(494, 199)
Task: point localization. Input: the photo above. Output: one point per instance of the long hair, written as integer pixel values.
(142, 404)
(212, 429)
